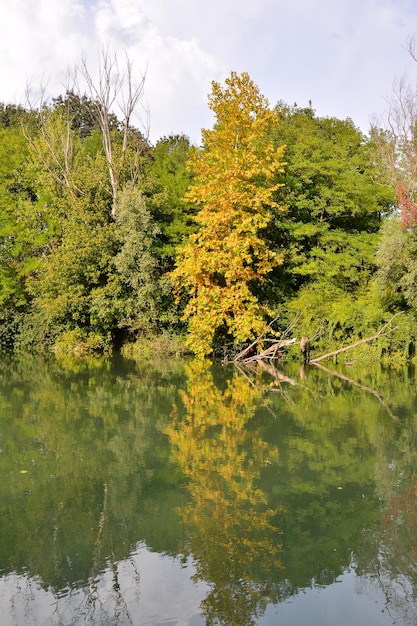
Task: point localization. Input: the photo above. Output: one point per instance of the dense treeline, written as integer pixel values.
(107, 240)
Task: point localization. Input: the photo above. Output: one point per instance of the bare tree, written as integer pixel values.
(114, 91)
(411, 47)
(397, 142)
(116, 97)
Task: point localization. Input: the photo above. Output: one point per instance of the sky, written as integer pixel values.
(342, 55)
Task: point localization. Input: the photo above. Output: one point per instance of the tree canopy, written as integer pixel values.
(279, 214)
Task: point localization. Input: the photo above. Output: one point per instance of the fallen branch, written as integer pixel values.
(254, 343)
(268, 354)
(380, 333)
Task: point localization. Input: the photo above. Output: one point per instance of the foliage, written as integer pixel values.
(97, 226)
(74, 282)
(83, 274)
(23, 230)
(233, 186)
(144, 296)
(333, 204)
(80, 111)
(80, 342)
(329, 230)
(407, 207)
(397, 265)
(169, 177)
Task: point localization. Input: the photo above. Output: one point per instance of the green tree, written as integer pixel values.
(329, 231)
(71, 174)
(397, 265)
(144, 293)
(169, 177)
(235, 180)
(23, 231)
(80, 110)
(82, 158)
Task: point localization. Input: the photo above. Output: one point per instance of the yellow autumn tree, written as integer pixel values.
(234, 185)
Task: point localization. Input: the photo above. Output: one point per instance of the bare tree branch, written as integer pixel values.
(381, 333)
(114, 93)
(115, 90)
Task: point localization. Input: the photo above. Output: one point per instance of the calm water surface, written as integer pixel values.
(182, 495)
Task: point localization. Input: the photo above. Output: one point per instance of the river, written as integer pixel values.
(178, 494)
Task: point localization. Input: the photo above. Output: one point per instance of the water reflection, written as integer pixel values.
(230, 527)
(85, 474)
(193, 495)
(142, 589)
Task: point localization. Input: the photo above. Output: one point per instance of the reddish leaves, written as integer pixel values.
(407, 206)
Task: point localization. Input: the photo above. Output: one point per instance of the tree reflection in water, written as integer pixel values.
(274, 496)
(231, 528)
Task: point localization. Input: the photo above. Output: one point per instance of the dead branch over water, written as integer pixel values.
(381, 333)
(273, 351)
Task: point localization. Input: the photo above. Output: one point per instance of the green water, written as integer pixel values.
(178, 495)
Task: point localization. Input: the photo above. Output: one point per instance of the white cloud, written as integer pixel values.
(342, 55)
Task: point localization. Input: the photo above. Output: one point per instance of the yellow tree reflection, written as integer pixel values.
(231, 534)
